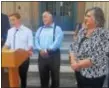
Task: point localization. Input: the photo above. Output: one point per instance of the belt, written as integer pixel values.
(53, 51)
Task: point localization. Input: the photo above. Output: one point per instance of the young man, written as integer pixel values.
(48, 41)
(20, 37)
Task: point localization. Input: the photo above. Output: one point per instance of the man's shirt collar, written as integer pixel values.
(20, 28)
(51, 26)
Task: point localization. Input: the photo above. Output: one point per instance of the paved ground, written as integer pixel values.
(67, 80)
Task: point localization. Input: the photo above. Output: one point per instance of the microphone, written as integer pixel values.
(77, 28)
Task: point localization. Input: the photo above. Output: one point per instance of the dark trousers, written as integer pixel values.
(23, 69)
(49, 67)
(83, 82)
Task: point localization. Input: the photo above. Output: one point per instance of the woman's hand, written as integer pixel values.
(73, 62)
(75, 66)
(72, 58)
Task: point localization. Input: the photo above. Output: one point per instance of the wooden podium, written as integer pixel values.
(12, 60)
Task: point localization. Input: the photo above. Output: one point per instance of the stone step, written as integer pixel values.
(66, 44)
(63, 50)
(66, 80)
(63, 56)
(68, 32)
(64, 59)
(65, 33)
(68, 35)
(63, 62)
(63, 68)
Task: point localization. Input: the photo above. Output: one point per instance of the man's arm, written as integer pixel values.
(5, 47)
(78, 64)
(84, 63)
(30, 40)
(7, 43)
(72, 58)
(58, 38)
(37, 45)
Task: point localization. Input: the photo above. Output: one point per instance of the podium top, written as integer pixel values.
(13, 58)
(10, 51)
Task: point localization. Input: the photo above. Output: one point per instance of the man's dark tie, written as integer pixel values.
(14, 38)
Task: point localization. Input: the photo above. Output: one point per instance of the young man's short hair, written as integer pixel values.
(17, 15)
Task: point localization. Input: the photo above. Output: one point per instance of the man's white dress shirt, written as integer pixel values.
(19, 38)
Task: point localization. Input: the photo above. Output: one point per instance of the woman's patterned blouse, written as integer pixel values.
(95, 49)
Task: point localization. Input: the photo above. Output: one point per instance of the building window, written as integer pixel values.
(66, 8)
(51, 6)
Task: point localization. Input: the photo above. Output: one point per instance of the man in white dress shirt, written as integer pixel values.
(20, 37)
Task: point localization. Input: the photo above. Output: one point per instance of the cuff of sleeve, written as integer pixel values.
(50, 48)
(72, 52)
(38, 49)
(92, 60)
(30, 47)
(6, 44)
